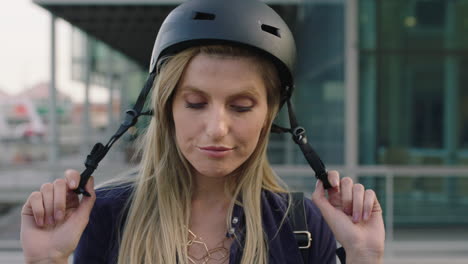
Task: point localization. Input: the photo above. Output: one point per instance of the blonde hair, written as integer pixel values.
(159, 206)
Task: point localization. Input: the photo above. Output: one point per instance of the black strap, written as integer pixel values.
(299, 224)
(341, 253)
(299, 136)
(99, 151)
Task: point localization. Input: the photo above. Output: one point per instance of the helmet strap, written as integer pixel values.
(99, 151)
(299, 136)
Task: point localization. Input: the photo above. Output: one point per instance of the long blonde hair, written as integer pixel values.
(159, 207)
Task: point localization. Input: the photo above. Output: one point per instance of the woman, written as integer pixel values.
(205, 192)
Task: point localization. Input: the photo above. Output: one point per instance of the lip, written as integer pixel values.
(215, 151)
(216, 148)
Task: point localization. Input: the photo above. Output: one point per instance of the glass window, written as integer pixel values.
(423, 200)
(463, 110)
(413, 103)
(319, 96)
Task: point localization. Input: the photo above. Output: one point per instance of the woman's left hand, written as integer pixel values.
(354, 216)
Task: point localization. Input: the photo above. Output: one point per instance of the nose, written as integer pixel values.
(217, 123)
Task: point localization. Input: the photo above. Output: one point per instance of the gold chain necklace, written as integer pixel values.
(218, 255)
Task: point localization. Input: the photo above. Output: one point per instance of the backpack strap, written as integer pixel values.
(299, 224)
(301, 232)
(341, 253)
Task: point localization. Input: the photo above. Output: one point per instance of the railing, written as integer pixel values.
(302, 173)
(389, 173)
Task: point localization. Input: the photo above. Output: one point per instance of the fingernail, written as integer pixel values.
(40, 221)
(316, 183)
(58, 215)
(335, 183)
(72, 184)
(355, 218)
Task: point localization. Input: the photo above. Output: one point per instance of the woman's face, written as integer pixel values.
(219, 108)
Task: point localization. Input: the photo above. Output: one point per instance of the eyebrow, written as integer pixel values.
(245, 91)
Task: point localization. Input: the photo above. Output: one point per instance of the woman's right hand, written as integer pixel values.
(53, 219)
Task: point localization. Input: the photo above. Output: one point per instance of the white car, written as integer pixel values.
(26, 125)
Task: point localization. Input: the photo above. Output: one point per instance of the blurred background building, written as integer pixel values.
(379, 88)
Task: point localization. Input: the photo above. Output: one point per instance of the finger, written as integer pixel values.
(369, 201)
(329, 213)
(376, 208)
(88, 202)
(358, 200)
(47, 191)
(73, 201)
(319, 192)
(81, 215)
(346, 190)
(319, 198)
(334, 194)
(334, 178)
(35, 207)
(73, 178)
(60, 196)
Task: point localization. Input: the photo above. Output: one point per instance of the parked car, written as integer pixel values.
(19, 120)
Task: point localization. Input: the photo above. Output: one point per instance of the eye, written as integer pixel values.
(242, 104)
(194, 100)
(241, 109)
(195, 105)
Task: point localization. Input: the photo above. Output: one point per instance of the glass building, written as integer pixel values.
(379, 88)
(413, 107)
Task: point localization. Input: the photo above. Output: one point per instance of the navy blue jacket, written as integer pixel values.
(99, 242)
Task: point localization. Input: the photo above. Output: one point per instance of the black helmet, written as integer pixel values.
(248, 23)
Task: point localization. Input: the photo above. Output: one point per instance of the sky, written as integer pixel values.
(25, 51)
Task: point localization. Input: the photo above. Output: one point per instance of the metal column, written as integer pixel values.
(53, 127)
(451, 101)
(451, 74)
(352, 91)
(112, 79)
(86, 133)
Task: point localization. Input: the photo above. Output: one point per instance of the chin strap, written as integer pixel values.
(299, 136)
(99, 151)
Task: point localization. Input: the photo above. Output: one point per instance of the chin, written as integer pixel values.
(214, 172)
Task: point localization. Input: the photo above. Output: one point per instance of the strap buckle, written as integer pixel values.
(303, 238)
(299, 135)
(131, 118)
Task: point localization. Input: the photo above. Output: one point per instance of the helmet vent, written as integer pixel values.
(271, 30)
(203, 16)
